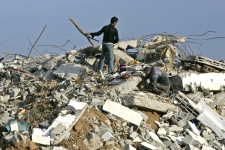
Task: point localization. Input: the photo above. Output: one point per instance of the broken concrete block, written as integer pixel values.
(161, 131)
(15, 137)
(193, 128)
(194, 139)
(39, 137)
(133, 135)
(204, 147)
(155, 137)
(4, 99)
(176, 139)
(191, 147)
(59, 148)
(59, 129)
(121, 58)
(74, 105)
(94, 143)
(145, 145)
(64, 120)
(203, 60)
(90, 60)
(129, 147)
(107, 136)
(123, 112)
(175, 128)
(129, 85)
(124, 45)
(14, 92)
(174, 146)
(70, 70)
(51, 63)
(142, 102)
(48, 76)
(188, 81)
(137, 139)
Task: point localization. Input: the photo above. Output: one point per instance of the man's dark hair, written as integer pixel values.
(114, 19)
(147, 69)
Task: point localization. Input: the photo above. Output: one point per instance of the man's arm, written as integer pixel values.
(97, 33)
(116, 36)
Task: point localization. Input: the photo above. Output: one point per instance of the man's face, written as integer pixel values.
(114, 23)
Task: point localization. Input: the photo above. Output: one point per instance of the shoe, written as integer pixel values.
(110, 78)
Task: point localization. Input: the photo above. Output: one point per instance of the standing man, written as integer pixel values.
(110, 37)
(159, 82)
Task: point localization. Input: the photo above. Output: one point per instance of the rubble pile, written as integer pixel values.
(58, 102)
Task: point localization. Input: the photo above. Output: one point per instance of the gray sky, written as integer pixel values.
(20, 20)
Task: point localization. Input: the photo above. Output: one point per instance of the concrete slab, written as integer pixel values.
(147, 145)
(69, 70)
(123, 112)
(129, 85)
(155, 137)
(211, 119)
(146, 103)
(188, 81)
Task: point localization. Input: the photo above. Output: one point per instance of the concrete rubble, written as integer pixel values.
(58, 102)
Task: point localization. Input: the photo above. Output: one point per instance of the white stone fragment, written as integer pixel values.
(193, 128)
(69, 70)
(161, 131)
(129, 147)
(123, 112)
(14, 127)
(147, 145)
(137, 139)
(107, 136)
(197, 137)
(75, 105)
(155, 137)
(59, 148)
(204, 147)
(191, 147)
(39, 137)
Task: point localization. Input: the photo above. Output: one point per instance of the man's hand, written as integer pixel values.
(141, 87)
(87, 34)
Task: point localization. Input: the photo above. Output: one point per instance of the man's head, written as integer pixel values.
(114, 20)
(147, 70)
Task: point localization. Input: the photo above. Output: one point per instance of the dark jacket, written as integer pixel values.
(110, 34)
(157, 76)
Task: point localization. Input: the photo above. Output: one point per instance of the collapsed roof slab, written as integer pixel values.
(192, 81)
(211, 119)
(203, 60)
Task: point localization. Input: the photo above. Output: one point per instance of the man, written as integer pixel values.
(110, 37)
(159, 82)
